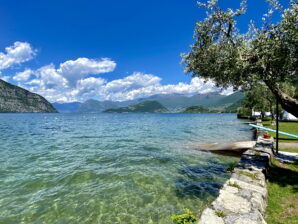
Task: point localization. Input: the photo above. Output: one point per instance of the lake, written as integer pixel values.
(110, 168)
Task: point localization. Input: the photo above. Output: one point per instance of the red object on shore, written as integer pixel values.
(266, 135)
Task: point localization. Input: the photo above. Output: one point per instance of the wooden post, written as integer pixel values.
(277, 126)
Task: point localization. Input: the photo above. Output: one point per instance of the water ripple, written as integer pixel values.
(117, 168)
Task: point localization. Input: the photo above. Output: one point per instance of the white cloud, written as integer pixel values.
(74, 80)
(50, 78)
(18, 53)
(135, 81)
(5, 78)
(52, 85)
(140, 85)
(75, 70)
(23, 76)
(68, 82)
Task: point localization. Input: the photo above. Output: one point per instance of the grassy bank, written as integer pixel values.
(289, 127)
(283, 194)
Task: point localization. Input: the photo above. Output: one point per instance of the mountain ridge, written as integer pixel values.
(14, 99)
(149, 106)
(173, 102)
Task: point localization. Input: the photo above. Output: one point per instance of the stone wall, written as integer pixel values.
(243, 198)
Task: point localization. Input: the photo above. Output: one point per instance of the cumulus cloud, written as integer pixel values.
(23, 76)
(18, 53)
(54, 87)
(140, 85)
(77, 80)
(74, 70)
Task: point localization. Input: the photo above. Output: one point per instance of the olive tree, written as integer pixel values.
(260, 98)
(265, 54)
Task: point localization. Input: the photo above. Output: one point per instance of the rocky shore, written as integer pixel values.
(243, 198)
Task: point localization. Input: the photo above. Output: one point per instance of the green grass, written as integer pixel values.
(220, 214)
(234, 185)
(257, 153)
(251, 175)
(283, 194)
(289, 127)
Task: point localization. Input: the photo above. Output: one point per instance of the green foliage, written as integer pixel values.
(231, 166)
(251, 175)
(220, 213)
(268, 54)
(244, 111)
(197, 109)
(233, 108)
(186, 218)
(260, 98)
(234, 185)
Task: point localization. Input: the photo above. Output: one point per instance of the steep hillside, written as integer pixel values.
(16, 99)
(143, 107)
(227, 101)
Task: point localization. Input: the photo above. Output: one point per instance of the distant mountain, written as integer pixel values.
(173, 102)
(143, 107)
(233, 107)
(178, 102)
(95, 106)
(16, 99)
(228, 100)
(67, 107)
(197, 109)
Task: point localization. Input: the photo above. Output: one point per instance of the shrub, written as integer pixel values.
(231, 166)
(220, 214)
(186, 218)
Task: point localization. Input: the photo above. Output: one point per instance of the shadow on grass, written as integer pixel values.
(201, 182)
(283, 176)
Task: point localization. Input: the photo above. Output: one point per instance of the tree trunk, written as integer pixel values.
(288, 103)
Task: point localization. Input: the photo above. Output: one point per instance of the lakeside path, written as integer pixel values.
(287, 157)
(288, 145)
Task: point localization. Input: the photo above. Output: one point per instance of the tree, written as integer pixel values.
(258, 98)
(268, 54)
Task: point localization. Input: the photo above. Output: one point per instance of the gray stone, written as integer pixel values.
(209, 217)
(243, 198)
(231, 203)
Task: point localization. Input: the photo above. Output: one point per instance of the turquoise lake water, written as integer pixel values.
(110, 168)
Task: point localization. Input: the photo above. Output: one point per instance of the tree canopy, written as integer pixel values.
(268, 54)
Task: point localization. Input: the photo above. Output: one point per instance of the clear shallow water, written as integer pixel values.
(110, 168)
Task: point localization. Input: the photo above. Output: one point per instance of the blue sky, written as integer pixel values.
(74, 49)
